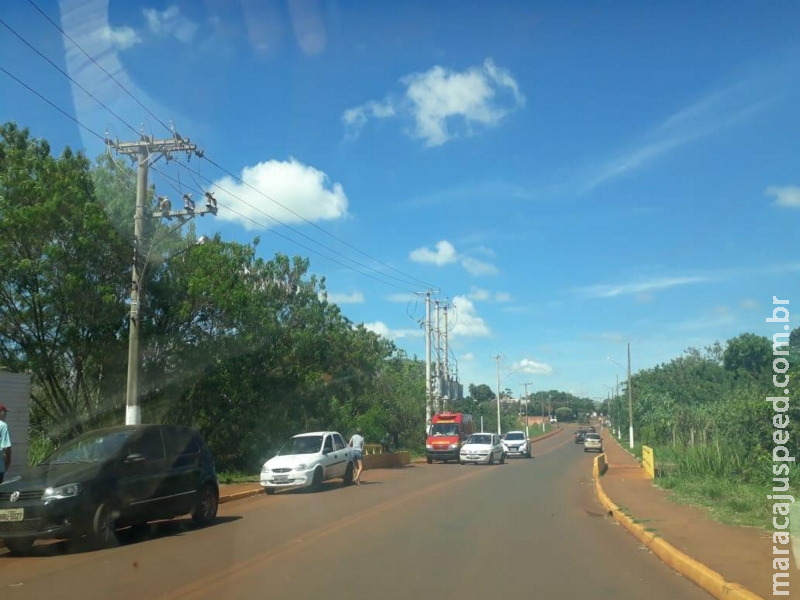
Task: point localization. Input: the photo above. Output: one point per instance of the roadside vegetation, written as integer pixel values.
(246, 350)
(706, 417)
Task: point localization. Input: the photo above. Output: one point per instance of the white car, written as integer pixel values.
(486, 448)
(308, 459)
(553, 420)
(516, 443)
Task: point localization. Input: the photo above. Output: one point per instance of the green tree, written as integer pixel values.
(748, 353)
(63, 282)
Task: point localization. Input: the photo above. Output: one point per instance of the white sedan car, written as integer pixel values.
(516, 443)
(307, 460)
(483, 448)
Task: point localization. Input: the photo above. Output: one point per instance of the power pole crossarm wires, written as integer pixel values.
(146, 151)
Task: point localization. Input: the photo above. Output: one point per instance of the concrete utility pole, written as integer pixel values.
(499, 432)
(630, 397)
(428, 400)
(438, 361)
(146, 151)
(526, 407)
(448, 392)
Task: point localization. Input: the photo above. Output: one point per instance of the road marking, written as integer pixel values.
(256, 562)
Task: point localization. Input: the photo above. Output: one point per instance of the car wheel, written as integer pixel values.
(269, 491)
(19, 547)
(503, 458)
(348, 475)
(491, 458)
(430, 460)
(104, 525)
(205, 511)
(316, 483)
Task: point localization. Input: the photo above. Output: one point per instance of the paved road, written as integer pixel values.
(456, 532)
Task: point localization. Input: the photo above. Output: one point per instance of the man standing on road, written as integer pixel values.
(357, 444)
(5, 443)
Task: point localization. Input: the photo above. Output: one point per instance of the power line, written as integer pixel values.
(287, 238)
(220, 167)
(340, 240)
(300, 233)
(99, 66)
(58, 108)
(65, 74)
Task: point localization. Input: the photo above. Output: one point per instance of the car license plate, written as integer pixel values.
(473, 456)
(281, 478)
(12, 515)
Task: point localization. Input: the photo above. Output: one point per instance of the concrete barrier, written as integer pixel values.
(708, 579)
(389, 460)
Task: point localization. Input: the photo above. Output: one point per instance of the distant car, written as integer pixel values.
(107, 479)
(579, 436)
(592, 441)
(308, 459)
(516, 443)
(483, 448)
(553, 420)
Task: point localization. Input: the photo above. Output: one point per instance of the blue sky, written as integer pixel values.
(571, 178)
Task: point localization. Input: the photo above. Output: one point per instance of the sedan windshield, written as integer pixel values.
(92, 447)
(307, 444)
(515, 436)
(479, 439)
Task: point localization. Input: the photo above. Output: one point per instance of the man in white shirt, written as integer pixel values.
(5, 443)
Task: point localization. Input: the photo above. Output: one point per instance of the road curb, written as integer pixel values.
(240, 495)
(703, 576)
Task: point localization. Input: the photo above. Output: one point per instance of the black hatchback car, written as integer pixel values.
(108, 479)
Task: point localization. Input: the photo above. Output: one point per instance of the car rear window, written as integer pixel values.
(592, 436)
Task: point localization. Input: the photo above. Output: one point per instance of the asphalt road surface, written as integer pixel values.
(526, 529)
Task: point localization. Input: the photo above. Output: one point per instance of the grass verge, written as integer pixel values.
(228, 477)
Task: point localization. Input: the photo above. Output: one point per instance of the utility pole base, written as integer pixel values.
(133, 415)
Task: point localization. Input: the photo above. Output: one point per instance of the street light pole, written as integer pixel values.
(499, 432)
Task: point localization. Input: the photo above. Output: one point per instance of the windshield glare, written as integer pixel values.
(94, 447)
(480, 439)
(309, 444)
(444, 429)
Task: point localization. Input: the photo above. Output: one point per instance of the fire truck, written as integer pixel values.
(447, 434)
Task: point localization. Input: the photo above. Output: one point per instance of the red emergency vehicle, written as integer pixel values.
(446, 435)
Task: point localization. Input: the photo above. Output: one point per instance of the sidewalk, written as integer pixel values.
(740, 554)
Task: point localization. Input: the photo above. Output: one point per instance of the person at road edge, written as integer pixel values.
(357, 444)
(5, 443)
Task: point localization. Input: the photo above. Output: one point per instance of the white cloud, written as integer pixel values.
(440, 100)
(787, 196)
(643, 287)
(383, 330)
(403, 298)
(300, 189)
(170, 22)
(479, 294)
(354, 298)
(468, 357)
(532, 367)
(466, 322)
(355, 118)
(121, 37)
(478, 267)
(749, 304)
(717, 111)
(444, 254)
